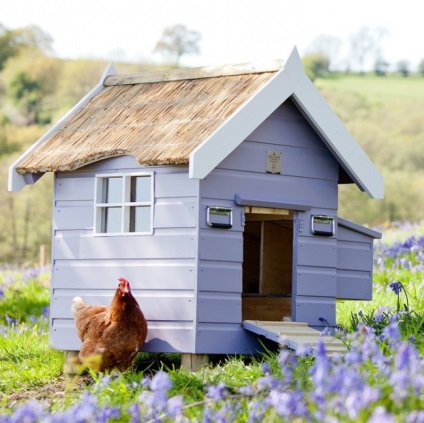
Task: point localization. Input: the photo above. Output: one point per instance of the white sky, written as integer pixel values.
(232, 31)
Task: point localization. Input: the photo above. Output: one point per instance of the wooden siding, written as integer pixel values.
(354, 264)
(315, 262)
(162, 336)
(160, 268)
(309, 176)
(224, 338)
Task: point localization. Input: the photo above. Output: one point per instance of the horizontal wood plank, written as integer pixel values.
(149, 275)
(125, 247)
(171, 306)
(219, 308)
(161, 337)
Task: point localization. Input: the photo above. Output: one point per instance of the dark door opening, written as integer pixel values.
(267, 264)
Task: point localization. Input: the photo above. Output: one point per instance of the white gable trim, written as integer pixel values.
(18, 181)
(245, 120)
(290, 81)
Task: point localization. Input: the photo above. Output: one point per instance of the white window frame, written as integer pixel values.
(125, 204)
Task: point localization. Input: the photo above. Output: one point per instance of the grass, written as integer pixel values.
(230, 386)
(372, 86)
(26, 359)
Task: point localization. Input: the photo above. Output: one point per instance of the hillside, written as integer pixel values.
(385, 115)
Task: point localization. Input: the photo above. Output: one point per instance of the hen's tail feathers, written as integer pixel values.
(77, 304)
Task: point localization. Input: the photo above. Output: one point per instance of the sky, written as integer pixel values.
(232, 31)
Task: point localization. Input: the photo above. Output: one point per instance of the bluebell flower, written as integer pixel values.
(106, 414)
(256, 410)
(104, 381)
(396, 287)
(287, 404)
(11, 321)
(216, 392)
(416, 416)
(267, 382)
(381, 415)
(303, 350)
(135, 413)
(30, 412)
(391, 333)
(175, 406)
(265, 369)
(160, 382)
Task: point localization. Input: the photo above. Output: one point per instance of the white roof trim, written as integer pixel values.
(16, 180)
(245, 120)
(291, 80)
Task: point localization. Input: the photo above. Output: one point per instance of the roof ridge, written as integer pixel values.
(194, 73)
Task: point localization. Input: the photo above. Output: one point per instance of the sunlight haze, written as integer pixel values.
(232, 30)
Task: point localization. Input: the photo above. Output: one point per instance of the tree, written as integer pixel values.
(178, 41)
(402, 67)
(380, 67)
(25, 93)
(365, 45)
(327, 46)
(315, 65)
(421, 67)
(13, 41)
(8, 46)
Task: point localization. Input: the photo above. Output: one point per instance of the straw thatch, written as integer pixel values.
(157, 122)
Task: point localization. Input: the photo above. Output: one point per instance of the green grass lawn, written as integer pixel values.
(373, 86)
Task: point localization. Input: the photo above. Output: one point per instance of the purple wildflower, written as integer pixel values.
(216, 392)
(175, 406)
(135, 413)
(380, 415)
(29, 412)
(265, 369)
(416, 416)
(391, 334)
(396, 287)
(160, 382)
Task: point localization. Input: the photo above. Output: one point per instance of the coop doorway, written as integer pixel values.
(267, 264)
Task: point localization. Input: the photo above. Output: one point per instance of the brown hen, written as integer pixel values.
(112, 334)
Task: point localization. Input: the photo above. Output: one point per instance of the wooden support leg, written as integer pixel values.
(193, 362)
(71, 362)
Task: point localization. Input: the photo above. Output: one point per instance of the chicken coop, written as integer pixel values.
(214, 191)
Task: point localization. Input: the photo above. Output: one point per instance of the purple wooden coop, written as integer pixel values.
(215, 192)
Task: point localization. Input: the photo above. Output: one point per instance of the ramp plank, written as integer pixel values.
(293, 334)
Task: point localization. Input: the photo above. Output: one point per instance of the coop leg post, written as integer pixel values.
(193, 362)
(71, 362)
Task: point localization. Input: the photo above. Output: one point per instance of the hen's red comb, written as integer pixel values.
(123, 280)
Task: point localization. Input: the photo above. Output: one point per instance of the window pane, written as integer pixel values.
(112, 190)
(140, 219)
(140, 188)
(112, 217)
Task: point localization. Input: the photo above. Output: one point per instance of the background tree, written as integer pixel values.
(13, 41)
(316, 65)
(403, 67)
(327, 46)
(31, 81)
(365, 46)
(421, 67)
(178, 41)
(381, 67)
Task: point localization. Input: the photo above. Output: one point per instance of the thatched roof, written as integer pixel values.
(158, 118)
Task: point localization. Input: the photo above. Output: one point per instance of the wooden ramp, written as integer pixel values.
(293, 334)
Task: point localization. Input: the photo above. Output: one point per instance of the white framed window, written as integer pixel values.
(124, 204)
